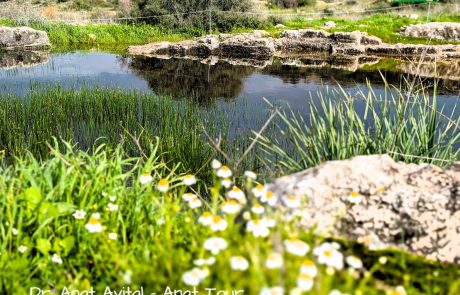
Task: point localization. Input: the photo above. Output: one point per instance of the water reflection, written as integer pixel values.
(12, 59)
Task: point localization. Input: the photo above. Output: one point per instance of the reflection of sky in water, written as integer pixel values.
(248, 110)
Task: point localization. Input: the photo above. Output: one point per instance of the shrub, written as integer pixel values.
(195, 13)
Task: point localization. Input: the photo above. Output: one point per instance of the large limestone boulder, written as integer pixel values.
(23, 38)
(381, 203)
(443, 31)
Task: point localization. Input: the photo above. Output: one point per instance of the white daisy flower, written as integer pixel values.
(296, 247)
(113, 198)
(145, 178)
(258, 209)
(194, 276)
(237, 194)
(227, 182)
(383, 260)
(204, 262)
(274, 261)
(93, 225)
(113, 236)
(224, 172)
(277, 290)
(292, 201)
(269, 198)
(305, 282)
(189, 179)
(56, 259)
(195, 202)
(354, 262)
(205, 218)
(161, 221)
(14, 231)
(79, 214)
(355, 198)
(399, 290)
(250, 175)
(258, 228)
(335, 292)
(231, 207)
(22, 249)
(296, 291)
(215, 245)
(218, 224)
(188, 196)
(163, 185)
(239, 263)
(215, 164)
(268, 222)
(112, 207)
(259, 191)
(328, 255)
(308, 267)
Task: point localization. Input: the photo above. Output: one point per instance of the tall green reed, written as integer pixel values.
(411, 127)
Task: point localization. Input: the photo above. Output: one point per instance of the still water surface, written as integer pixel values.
(219, 86)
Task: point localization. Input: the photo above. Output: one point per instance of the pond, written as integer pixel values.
(221, 86)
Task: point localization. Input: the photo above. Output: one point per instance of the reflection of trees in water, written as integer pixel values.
(190, 78)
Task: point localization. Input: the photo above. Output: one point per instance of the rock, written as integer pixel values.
(243, 46)
(260, 46)
(23, 37)
(404, 50)
(408, 206)
(347, 38)
(443, 31)
(330, 25)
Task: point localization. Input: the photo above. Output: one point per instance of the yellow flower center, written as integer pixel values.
(93, 220)
(224, 168)
(206, 214)
(291, 197)
(308, 262)
(328, 253)
(236, 189)
(354, 194)
(304, 276)
(269, 194)
(216, 219)
(163, 182)
(146, 174)
(188, 176)
(232, 202)
(259, 187)
(256, 221)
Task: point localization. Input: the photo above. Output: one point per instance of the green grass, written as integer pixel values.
(385, 26)
(86, 115)
(107, 36)
(119, 36)
(158, 236)
(411, 128)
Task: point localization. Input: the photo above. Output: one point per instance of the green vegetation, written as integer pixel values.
(113, 36)
(89, 114)
(385, 26)
(395, 123)
(80, 220)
